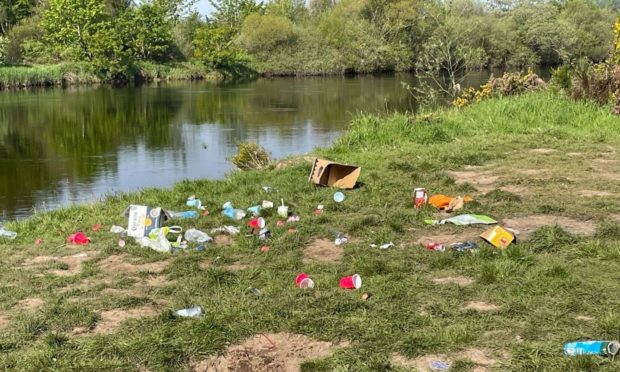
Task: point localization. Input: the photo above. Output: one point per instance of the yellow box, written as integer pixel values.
(498, 237)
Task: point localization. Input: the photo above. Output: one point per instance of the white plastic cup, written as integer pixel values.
(283, 211)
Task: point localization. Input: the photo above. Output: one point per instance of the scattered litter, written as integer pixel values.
(498, 237)
(193, 202)
(267, 204)
(292, 230)
(254, 291)
(449, 203)
(268, 189)
(201, 248)
(384, 246)
(319, 209)
(280, 223)
(469, 245)
(121, 243)
(329, 173)
(435, 246)
(341, 239)
(156, 240)
(303, 280)
(351, 282)
(465, 219)
(339, 197)
(144, 219)
(293, 218)
(197, 236)
(234, 214)
(603, 348)
(420, 197)
(257, 223)
(255, 210)
(78, 238)
(366, 296)
(205, 213)
(96, 227)
(117, 229)
(265, 248)
(191, 312)
(38, 241)
(185, 215)
(439, 365)
(264, 234)
(283, 210)
(7, 234)
(230, 230)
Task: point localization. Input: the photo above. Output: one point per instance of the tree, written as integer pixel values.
(13, 11)
(75, 24)
(215, 47)
(151, 32)
(232, 13)
(263, 33)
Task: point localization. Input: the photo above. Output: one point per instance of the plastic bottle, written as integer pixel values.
(185, 214)
(117, 229)
(197, 236)
(7, 234)
(190, 312)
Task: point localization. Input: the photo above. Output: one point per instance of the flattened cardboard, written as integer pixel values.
(498, 237)
(144, 219)
(332, 174)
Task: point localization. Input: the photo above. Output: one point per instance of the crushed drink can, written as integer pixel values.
(603, 348)
(435, 246)
(420, 197)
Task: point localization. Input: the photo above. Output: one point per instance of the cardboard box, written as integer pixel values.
(331, 174)
(498, 237)
(144, 219)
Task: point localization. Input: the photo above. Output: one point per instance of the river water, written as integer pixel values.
(65, 146)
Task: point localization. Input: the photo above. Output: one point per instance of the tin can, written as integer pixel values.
(435, 246)
(604, 348)
(420, 197)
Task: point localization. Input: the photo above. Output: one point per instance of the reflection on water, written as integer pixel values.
(59, 147)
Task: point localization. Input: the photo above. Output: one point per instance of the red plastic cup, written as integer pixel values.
(351, 282)
(303, 281)
(257, 223)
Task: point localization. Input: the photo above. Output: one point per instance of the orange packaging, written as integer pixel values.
(498, 237)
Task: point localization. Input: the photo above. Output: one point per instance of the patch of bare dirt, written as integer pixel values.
(542, 151)
(157, 281)
(29, 304)
(79, 331)
(533, 172)
(480, 357)
(73, 262)
(122, 264)
(516, 189)
(112, 319)
(205, 265)
(584, 318)
(612, 176)
(574, 154)
(272, 352)
(223, 239)
(483, 181)
(4, 321)
(462, 281)
(447, 238)
(322, 250)
(236, 267)
(599, 161)
(480, 306)
(594, 193)
(528, 224)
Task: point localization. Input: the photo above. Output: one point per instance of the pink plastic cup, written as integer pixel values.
(351, 282)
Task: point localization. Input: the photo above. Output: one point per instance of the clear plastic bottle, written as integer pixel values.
(7, 234)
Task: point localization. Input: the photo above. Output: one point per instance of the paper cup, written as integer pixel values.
(283, 211)
(306, 283)
(351, 282)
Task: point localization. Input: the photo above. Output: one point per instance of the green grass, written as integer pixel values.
(539, 284)
(65, 74)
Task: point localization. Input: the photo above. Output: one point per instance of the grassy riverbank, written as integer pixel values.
(66, 74)
(540, 163)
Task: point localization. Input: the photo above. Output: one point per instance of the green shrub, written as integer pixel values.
(251, 156)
